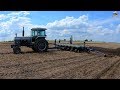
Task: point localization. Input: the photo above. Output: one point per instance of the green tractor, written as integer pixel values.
(36, 41)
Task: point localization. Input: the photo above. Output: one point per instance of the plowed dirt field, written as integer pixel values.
(57, 64)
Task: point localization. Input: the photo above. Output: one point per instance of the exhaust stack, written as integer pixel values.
(23, 32)
(16, 34)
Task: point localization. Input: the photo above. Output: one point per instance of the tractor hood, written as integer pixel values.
(23, 38)
(22, 41)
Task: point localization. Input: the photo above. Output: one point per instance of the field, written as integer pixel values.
(57, 64)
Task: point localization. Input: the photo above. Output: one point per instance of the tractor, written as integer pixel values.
(36, 41)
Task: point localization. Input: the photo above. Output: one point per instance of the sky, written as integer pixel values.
(91, 25)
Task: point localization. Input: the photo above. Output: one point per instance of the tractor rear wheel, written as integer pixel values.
(41, 45)
(16, 50)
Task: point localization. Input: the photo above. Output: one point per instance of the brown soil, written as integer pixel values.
(56, 64)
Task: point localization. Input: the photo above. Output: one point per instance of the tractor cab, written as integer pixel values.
(38, 32)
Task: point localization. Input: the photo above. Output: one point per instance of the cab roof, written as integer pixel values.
(34, 29)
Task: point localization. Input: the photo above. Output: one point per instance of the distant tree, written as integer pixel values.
(86, 39)
(64, 39)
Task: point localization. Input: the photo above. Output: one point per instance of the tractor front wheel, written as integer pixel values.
(16, 50)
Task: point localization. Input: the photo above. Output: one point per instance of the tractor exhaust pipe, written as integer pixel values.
(16, 34)
(23, 32)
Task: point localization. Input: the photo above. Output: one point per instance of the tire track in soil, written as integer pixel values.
(107, 69)
(110, 72)
(66, 74)
(40, 62)
(11, 68)
(53, 60)
(44, 68)
(27, 71)
(61, 74)
(44, 74)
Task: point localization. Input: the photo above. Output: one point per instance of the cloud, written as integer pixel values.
(68, 23)
(80, 28)
(65, 32)
(2, 17)
(68, 26)
(11, 23)
(108, 20)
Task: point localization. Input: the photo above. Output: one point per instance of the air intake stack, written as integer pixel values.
(23, 32)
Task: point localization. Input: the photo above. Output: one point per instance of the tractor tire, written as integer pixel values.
(34, 49)
(16, 50)
(41, 45)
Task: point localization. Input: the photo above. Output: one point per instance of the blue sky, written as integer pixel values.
(95, 25)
